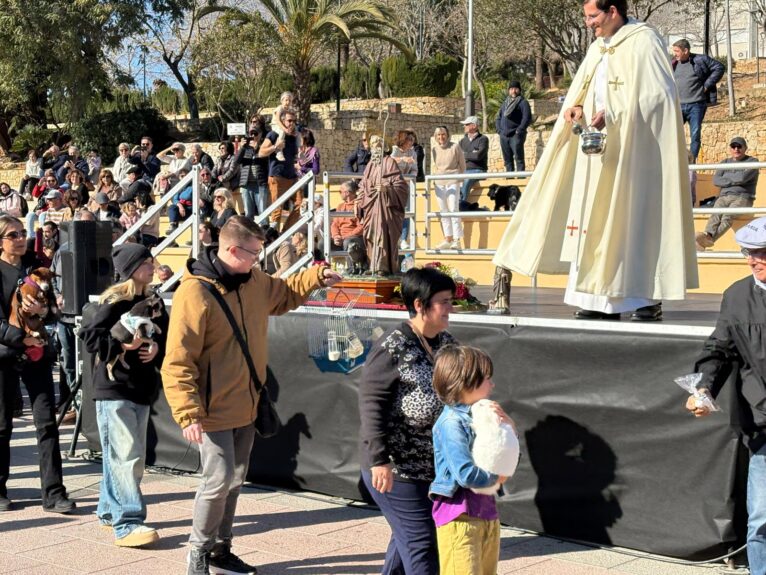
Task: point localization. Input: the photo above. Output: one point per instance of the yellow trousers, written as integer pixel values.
(468, 546)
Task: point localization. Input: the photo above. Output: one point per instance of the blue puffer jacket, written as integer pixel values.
(709, 71)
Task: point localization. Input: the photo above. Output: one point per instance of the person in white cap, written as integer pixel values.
(475, 148)
(176, 162)
(737, 191)
(620, 222)
(738, 341)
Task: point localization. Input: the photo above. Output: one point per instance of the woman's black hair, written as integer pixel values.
(423, 284)
(229, 147)
(307, 137)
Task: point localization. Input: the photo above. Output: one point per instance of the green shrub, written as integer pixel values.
(396, 75)
(373, 79)
(105, 131)
(436, 76)
(723, 60)
(30, 136)
(360, 81)
(168, 101)
(354, 81)
(323, 84)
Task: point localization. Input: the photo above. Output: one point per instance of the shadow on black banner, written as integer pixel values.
(274, 461)
(575, 471)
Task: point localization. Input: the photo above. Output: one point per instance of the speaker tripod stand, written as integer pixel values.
(75, 396)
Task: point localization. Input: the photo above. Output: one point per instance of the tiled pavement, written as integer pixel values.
(282, 532)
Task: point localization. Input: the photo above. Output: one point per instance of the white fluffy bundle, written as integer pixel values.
(496, 447)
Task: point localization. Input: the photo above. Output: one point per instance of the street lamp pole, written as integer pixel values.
(469, 107)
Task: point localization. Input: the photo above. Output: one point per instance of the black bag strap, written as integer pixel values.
(237, 333)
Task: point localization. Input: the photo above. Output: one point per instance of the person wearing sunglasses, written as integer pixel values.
(223, 209)
(737, 191)
(122, 163)
(29, 359)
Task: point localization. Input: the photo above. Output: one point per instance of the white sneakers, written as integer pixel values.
(453, 245)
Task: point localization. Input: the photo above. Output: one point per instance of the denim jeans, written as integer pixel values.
(468, 184)
(756, 512)
(174, 215)
(407, 509)
(32, 217)
(694, 113)
(122, 426)
(254, 198)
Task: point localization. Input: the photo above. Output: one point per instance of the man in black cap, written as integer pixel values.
(511, 124)
(138, 187)
(737, 191)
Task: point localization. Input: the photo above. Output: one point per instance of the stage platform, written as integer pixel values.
(609, 454)
(546, 307)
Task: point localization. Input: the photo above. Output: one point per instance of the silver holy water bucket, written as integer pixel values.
(592, 142)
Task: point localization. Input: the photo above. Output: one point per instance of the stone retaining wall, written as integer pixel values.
(338, 133)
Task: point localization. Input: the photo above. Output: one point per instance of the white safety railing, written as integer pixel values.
(192, 221)
(309, 181)
(438, 215)
(410, 213)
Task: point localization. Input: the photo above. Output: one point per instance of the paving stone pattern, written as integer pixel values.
(282, 532)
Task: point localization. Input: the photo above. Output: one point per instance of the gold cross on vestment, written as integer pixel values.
(616, 83)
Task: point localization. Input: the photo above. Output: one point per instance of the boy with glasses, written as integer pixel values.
(737, 191)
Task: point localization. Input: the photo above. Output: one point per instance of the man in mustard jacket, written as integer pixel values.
(207, 381)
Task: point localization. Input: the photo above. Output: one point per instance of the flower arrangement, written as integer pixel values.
(463, 297)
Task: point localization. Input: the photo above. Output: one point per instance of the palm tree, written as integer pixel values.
(306, 27)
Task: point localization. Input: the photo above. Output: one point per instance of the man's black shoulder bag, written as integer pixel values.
(267, 423)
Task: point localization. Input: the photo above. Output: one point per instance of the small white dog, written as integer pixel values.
(496, 447)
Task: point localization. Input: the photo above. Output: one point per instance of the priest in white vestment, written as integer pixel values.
(619, 223)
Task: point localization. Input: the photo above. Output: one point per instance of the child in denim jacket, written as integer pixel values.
(467, 525)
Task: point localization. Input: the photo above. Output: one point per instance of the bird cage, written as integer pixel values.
(340, 331)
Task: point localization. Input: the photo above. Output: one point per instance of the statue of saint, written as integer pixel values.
(383, 197)
(501, 290)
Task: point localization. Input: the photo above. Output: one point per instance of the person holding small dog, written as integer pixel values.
(124, 394)
(467, 523)
(37, 376)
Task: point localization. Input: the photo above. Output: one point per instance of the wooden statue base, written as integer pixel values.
(382, 288)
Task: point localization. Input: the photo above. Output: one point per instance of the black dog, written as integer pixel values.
(506, 197)
(358, 256)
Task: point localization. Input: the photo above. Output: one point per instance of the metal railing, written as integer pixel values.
(193, 220)
(438, 215)
(409, 214)
(308, 180)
